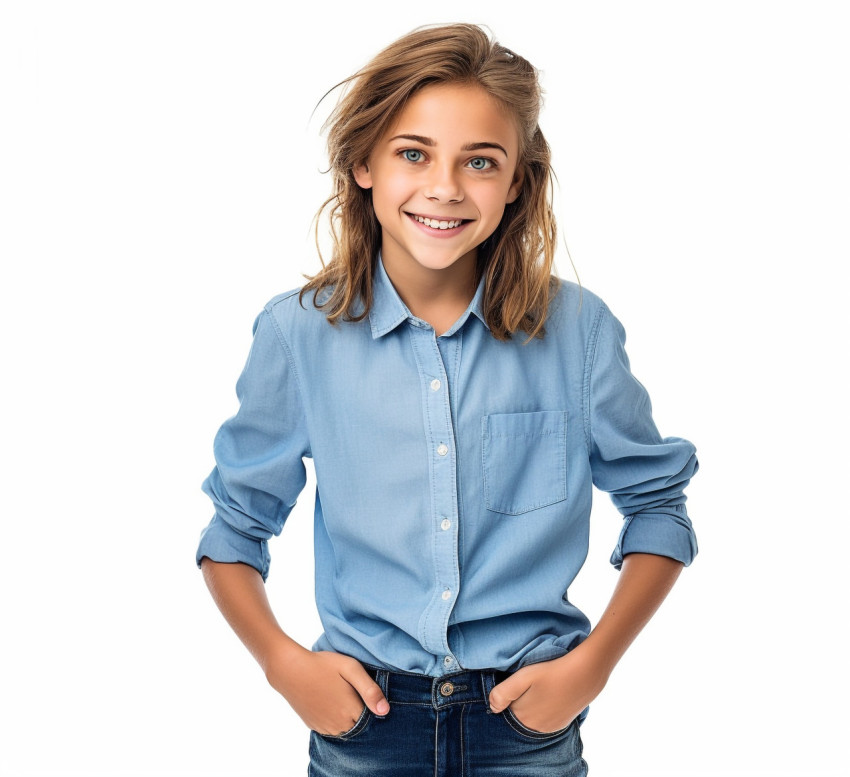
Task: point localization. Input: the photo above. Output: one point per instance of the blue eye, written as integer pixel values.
(412, 155)
(480, 163)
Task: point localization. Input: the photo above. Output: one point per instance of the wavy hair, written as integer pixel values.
(516, 260)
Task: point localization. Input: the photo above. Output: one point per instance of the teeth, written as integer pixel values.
(434, 224)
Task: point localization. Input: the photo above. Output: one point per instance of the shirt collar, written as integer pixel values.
(388, 310)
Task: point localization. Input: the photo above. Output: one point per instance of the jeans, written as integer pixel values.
(443, 727)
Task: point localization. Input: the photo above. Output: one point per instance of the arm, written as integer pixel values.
(327, 690)
(258, 475)
(645, 475)
(645, 580)
(546, 696)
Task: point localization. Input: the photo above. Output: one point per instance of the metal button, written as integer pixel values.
(447, 689)
(442, 449)
(446, 524)
(435, 385)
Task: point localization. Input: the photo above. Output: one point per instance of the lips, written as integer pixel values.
(438, 223)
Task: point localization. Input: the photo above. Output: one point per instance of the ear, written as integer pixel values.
(362, 176)
(516, 187)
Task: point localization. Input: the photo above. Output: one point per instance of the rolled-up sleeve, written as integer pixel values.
(644, 473)
(259, 454)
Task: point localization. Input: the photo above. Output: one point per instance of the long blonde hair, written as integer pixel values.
(517, 258)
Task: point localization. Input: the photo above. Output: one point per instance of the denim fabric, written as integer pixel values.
(454, 474)
(443, 727)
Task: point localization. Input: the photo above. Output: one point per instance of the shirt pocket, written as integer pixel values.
(524, 460)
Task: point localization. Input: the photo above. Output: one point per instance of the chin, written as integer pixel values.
(443, 262)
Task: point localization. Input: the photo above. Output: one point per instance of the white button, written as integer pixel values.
(448, 660)
(447, 594)
(435, 385)
(442, 449)
(446, 524)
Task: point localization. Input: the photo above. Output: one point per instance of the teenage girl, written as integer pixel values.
(458, 402)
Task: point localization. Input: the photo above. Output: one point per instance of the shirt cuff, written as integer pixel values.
(661, 534)
(221, 542)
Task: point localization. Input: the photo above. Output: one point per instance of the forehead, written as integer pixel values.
(462, 113)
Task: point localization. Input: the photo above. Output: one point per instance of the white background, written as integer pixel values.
(159, 169)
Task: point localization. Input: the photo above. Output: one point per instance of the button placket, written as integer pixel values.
(436, 396)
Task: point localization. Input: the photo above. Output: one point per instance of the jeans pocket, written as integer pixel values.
(524, 457)
(357, 728)
(529, 733)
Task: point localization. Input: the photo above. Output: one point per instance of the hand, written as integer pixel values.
(548, 695)
(327, 690)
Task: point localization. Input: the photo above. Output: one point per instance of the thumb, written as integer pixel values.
(507, 691)
(371, 693)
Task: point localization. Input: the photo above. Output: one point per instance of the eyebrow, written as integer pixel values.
(467, 147)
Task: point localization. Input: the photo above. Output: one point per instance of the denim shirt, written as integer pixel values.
(453, 474)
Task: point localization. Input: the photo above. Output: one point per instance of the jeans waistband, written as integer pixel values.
(473, 685)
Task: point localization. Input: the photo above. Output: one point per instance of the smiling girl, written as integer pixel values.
(458, 402)
(438, 196)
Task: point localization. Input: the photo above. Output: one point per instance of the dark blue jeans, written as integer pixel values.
(444, 728)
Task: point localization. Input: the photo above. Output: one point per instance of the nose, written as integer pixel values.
(443, 185)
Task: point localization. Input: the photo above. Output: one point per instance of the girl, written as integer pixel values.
(458, 401)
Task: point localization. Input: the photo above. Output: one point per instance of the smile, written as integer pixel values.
(435, 223)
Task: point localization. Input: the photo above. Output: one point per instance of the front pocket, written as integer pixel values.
(524, 460)
(358, 726)
(517, 725)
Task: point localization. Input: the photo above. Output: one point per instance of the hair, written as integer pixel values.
(517, 259)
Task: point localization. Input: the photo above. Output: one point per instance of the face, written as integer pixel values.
(441, 177)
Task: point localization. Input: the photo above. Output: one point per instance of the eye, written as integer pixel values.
(412, 155)
(480, 163)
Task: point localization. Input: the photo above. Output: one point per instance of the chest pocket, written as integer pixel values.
(525, 460)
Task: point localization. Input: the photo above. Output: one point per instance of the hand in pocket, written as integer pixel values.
(549, 695)
(327, 690)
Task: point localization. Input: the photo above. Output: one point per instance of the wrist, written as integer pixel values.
(596, 662)
(280, 652)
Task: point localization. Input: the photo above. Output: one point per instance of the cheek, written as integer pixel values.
(390, 192)
(495, 206)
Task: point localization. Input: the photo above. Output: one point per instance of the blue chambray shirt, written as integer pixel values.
(453, 474)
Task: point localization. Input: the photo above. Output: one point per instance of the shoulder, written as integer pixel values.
(299, 316)
(292, 310)
(283, 306)
(574, 309)
(573, 296)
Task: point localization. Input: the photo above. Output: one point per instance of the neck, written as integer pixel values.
(425, 290)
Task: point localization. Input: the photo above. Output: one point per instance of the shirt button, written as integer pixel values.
(435, 385)
(442, 449)
(448, 660)
(447, 594)
(446, 524)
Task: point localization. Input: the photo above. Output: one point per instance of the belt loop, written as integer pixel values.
(488, 680)
(382, 678)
